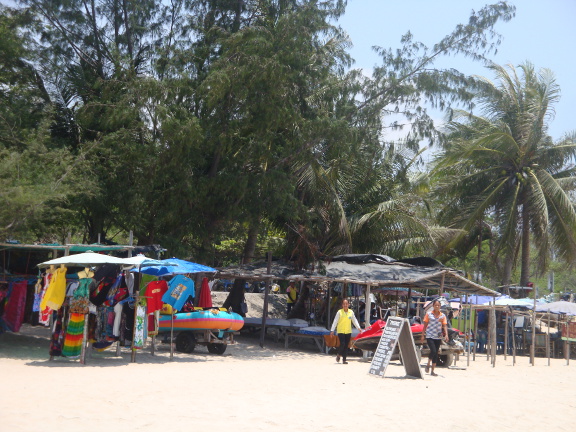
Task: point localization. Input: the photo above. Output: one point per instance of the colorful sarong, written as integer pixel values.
(74, 335)
(140, 327)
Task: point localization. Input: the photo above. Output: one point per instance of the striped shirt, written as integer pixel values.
(434, 329)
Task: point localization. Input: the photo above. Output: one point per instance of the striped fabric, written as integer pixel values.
(74, 335)
(434, 329)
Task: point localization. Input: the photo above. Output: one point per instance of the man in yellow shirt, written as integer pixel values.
(342, 323)
(292, 293)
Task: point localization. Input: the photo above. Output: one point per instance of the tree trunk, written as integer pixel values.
(251, 240)
(525, 259)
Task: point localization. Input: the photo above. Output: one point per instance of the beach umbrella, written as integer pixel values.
(85, 259)
(559, 307)
(174, 266)
(205, 298)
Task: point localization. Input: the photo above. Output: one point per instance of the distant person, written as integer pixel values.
(292, 292)
(435, 328)
(343, 325)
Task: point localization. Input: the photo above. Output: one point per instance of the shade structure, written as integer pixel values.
(205, 298)
(524, 302)
(85, 259)
(174, 266)
(559, 307)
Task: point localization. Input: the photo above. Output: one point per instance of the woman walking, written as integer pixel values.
(435, 327)
(343, 325)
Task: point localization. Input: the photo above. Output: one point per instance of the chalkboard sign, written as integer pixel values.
(397, 330)
(386, 346)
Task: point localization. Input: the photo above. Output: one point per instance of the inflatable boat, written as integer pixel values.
(209, 319)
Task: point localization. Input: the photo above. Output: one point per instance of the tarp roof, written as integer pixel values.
(369, 269)
(69, 247)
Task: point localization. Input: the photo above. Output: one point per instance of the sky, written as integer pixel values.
(543, 33)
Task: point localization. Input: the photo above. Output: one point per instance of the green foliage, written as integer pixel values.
(224, 128)
(503, 165)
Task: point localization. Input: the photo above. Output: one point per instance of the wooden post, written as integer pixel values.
(513, 340)
(489, 336)
(505, 334)
(368, 308)
(467, 332)
(172, 335)
(533, 345)
(265, 308)
(84, 338)
(475, 333)
(442, 283)
(329, 305)
(494, 335)
(137, 300)
(567, 343)
(131, 243)
(548, 339)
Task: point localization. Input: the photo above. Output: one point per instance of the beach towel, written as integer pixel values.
(74, 334)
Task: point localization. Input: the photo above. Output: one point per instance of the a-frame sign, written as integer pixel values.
(397, 331)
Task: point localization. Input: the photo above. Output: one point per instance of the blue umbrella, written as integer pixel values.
(174, 266)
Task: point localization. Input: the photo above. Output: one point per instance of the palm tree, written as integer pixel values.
(503, 165)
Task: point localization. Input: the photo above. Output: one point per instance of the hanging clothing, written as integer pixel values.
(100, 294)
(139, 334)
(117, 320)
(57, 335)
(180, 288)
(56, 291)
(129, 279)
(74, 334)
(15, 306)
(153, 294)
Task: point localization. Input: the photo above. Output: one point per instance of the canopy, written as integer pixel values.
(559, 307)
(85, 259)
(174, 266)
(374, 270)
(524, 302)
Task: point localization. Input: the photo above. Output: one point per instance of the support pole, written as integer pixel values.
(505, 334)
(368, 308)
(475, 333)
(467, 332)
(548, 339)
(172, 335)
(567, 343)
(533, 345)
(513, 340)
(494, 335)
(265, 309)
(84, 339)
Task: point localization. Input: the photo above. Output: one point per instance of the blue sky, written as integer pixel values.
(543, 32)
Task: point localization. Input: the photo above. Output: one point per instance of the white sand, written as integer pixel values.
(253, 389)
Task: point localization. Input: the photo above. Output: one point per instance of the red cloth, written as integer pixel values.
(153, 293)
(14, 309)
(205, 299)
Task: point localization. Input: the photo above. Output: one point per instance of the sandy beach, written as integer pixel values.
(254, 389)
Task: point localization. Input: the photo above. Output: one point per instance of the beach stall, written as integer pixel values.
(371, 272)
